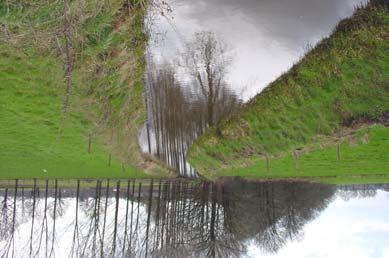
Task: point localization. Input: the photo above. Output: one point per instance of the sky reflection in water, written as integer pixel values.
(265, 36)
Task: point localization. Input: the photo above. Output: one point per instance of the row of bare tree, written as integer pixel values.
(159, 219)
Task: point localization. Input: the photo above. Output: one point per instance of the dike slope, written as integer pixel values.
(97, 137)
(325, 119)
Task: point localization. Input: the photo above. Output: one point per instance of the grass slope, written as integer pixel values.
(108, 40)
(299, 119)
(34, 135)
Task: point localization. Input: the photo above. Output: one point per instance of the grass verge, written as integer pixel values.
(97, 138)
(36, 140)
(298, 121)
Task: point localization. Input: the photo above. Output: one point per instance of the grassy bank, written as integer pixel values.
(97, 136)
(359, 158)
(317, 120)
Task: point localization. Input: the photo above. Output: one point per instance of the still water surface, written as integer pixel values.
(194, 219)
(261, 39)
(265, 36)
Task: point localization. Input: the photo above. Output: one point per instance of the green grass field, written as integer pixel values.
(37, 140)
(343, 82)
(362, 159)
(34, 134)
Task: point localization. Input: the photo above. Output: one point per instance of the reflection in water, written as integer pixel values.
(267, 36)
(264, 38)
(178, 113)
(163, 219)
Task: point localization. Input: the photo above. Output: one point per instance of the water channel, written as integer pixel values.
(207, 57)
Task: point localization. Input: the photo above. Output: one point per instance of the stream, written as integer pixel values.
(206, 58)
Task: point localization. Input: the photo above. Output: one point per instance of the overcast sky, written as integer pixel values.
(358, 228)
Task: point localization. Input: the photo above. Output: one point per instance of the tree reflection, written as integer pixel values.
(207, 60)
(161, 219)
(184, 100)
